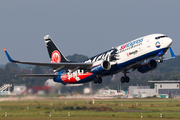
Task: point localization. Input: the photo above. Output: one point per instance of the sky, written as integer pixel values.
(86, 27)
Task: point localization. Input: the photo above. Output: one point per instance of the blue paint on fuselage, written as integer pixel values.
(58, 78)
(87, 79)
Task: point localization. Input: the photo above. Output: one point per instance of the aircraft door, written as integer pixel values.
(148, 43)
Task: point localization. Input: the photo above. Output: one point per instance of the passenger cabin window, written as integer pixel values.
(160, 37)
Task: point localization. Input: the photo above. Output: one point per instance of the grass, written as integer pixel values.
(84, 109)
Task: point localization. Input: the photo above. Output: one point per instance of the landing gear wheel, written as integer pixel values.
(161, 60)
(95, 81)
(127, 79)
(123, 79)
(99, 80)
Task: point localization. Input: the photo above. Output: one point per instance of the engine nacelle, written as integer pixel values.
(100, 67)
(151, 65)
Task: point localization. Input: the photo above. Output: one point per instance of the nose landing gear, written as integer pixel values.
(160, 60)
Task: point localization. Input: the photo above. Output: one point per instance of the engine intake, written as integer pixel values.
(151, 65)
(100, 66)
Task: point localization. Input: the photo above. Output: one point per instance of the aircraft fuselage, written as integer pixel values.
(121, 58)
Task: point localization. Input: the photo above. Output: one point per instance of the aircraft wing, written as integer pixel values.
(56, 66)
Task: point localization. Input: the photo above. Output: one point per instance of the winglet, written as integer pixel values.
(8, 56)
(172, 53)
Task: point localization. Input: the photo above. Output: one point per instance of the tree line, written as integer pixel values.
(168, 70)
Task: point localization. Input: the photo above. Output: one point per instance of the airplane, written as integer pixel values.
(137, 55)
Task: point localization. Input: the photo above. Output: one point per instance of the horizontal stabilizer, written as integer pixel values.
(38, 75)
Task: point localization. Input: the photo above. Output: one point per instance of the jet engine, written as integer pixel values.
(100, 67)
(151, 65)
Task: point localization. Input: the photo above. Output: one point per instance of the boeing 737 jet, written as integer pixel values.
(134, 55)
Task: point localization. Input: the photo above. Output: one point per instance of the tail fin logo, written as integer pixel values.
(56, 57)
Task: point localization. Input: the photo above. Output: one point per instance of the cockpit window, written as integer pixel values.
(160, 37)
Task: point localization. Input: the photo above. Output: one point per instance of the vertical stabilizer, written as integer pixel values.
(54, 53)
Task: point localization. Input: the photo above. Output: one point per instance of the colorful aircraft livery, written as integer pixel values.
(136, 55)
(131, 44)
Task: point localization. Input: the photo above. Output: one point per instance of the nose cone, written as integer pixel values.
(170, 41)
(167, 42)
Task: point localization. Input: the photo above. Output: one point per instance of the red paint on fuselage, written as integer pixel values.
(72, 78)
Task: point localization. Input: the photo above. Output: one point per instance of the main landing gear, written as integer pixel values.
(125, 78)
(97, 80)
